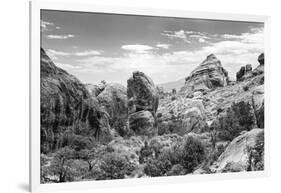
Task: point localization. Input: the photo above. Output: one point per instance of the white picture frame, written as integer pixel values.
(36, 6)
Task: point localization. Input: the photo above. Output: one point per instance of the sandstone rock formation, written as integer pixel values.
(114, 99)
(66, 107)
(142, 123)
(208, 75)
(142, 93)
(261, 59)
(243, 71)
(244, 153)
(143, 102)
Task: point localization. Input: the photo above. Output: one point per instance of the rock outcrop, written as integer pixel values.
(143, 102)
(66, 107)
(243, 71)
(208, 75)
(114, 99)
(258, 105)
(244, 153)
(261, 59)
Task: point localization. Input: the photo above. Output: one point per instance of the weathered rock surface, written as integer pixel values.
(244, 153)
(258, 105)
(142, 123)
(142, 93)
(191, 112)
(208, 75)
(114, 99)
(261, 59)
(243, 71)
(143, 102)
(66, 106)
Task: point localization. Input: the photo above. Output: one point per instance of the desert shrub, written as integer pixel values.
(256, 155)
(114, 166)
(157, 167)
(60, 166)
(146, 153)
(186, 156)
(193, 154)
(171, 126)
(176, 170)
(238, 117)
(120, 126)
(173, 98)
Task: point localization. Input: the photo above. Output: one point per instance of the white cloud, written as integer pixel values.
(233, 53)
(45, 25)
(137, 48)
(54, 53)
(67, 66)
(164, 46)
(48, 26)
(87, 53)
(181, 34)
(60, 36)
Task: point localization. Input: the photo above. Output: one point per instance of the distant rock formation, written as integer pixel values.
(66, 107)
(261, 59)
(143, 102)
(243, 71)
(246, 72)
(208, 75)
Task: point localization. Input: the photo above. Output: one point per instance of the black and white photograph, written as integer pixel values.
(136, 96)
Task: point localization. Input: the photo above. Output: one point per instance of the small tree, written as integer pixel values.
(60, 165)
(193, 154)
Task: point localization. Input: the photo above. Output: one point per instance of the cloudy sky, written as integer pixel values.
(96, 47)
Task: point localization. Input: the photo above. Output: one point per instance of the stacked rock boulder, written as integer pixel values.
(143, 102)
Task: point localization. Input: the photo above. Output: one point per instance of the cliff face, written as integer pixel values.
(208, 75)
(66, 107)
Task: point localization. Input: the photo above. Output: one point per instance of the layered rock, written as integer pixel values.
(208, 75)
(142, 123)
(143, 102)
(244, 153)
(66, 107)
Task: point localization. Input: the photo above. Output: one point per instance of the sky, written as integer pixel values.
(98, 46)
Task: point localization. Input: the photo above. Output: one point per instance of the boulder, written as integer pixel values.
(244, 153)
(142, 93)
(143, 102)
(208, 75)
(113, 99)
(142, 123)
(66, 107)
